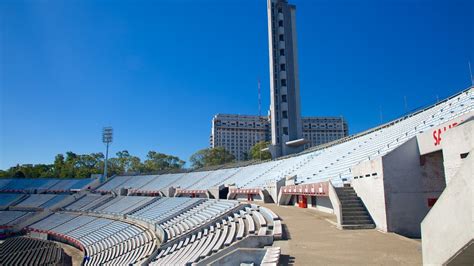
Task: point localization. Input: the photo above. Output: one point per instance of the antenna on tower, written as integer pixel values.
(259, 99)
(470, 73)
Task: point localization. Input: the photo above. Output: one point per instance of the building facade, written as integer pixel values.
(320, 130)
(285, 109)
(239, 133)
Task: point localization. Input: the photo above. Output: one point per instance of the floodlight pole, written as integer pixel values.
(106, 159)
(107, 133)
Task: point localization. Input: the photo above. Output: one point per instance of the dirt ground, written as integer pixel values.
(313, 239)
(76, 255)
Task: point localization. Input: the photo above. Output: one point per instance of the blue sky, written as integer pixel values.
(157, 71)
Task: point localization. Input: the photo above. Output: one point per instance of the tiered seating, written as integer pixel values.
(163, 209)
(123, 204)
(30, 251)
(10, 218)
(43, 184)
(160, 182)
(240, 223)
(272, 256)
(194, 217)
(212, 178)
(41, 200)
(70, 184)
(88, 202)
(335, 162)
(114, 183)
(105, 241)
(8, 199)
(249, 173)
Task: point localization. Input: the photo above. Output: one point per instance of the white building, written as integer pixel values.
(238, 133)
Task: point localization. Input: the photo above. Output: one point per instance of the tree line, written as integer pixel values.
(72, 165)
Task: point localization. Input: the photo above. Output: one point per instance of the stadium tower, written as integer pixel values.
(285, 108)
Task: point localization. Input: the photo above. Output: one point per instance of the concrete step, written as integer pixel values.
(347, 195)
(349, 201)
(352, 208)
(357, 219)
(342, 192)
(357, 226)
(352, 204)
(359, 212)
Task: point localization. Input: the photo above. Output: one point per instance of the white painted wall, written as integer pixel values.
(407, 189)
(456, 142)
(371, 190)
(449, 226)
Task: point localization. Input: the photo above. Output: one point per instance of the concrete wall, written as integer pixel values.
(408, 186)
(437, 139)
(371, 190)
(336, 204)
(322, 204)
(250, 241)
(456, 142)
(398, 188)
(242, 255)
(449, 226)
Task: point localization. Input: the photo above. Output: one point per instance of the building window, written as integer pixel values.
(280, 23)
(281, 37)
(280, 10)
(283, 82)
(283, 98)
(284, 114)
(282, 67)
(285, 131)
(282, 52)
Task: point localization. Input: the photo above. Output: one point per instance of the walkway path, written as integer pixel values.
(313, 240)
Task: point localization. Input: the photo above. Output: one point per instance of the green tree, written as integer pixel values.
(211, 157)
(257, 153)
(58, 166)
(128, 163)
(159, 161)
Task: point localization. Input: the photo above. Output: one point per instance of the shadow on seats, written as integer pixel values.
(286, 260)
(285, 235)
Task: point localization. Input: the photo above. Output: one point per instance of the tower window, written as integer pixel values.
(285, 131)
(283, 98)
(281, 37)
(280, 23)
(282, 67)
(280, 10)
(282, 52)
(283, 82)
(284, 114)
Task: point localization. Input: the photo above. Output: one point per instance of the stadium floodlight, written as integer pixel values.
(107, 133)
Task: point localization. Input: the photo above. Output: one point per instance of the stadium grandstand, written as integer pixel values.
(388, 178)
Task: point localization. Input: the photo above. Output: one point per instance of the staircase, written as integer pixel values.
(354, 213)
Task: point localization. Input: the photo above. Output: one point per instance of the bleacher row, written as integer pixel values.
(52, 185)
(30, 200)
(319, 164)
(215, 236)
(105, 226)
(105, 241)
(218, 222)
(11, 218)
(30, 251)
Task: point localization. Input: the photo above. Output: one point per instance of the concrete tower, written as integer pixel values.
(285, 108)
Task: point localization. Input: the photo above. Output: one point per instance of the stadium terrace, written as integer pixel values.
(419, 165)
